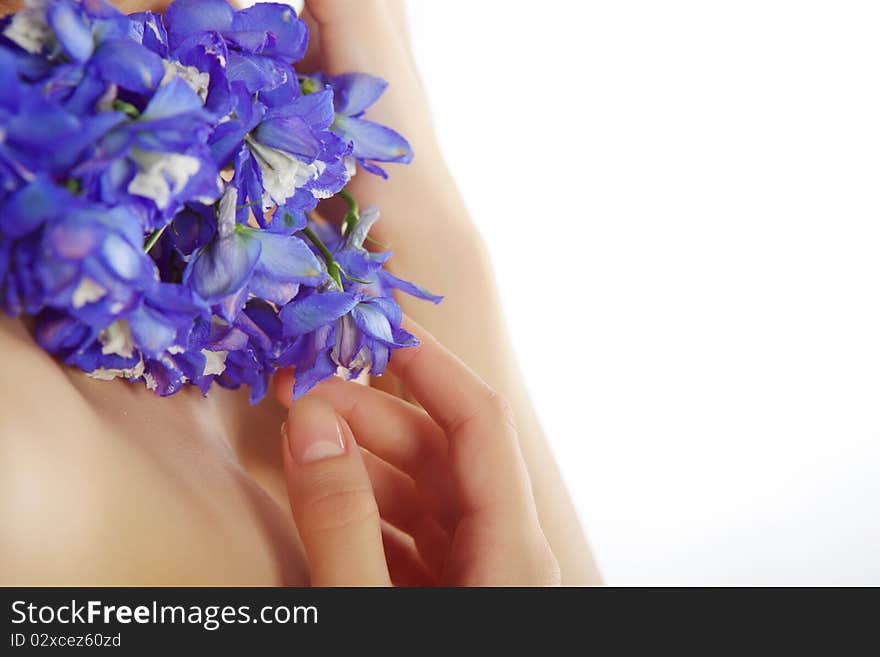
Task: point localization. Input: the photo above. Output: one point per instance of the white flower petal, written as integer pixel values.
(350, 165)
(226, 212)
(116, 339)
(197, 80)
(29, 28)
(152, 384)
(282, 173)
(160, 175)
(215, 362)
(108, 375)
(86, 292)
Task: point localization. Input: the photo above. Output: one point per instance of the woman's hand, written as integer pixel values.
(436, 497)
(435, 244)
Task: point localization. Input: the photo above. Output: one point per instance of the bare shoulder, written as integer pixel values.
(59, 482)
(79, 506)
(24, 370)
(106, 485)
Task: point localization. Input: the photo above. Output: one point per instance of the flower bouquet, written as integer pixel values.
(159, 177)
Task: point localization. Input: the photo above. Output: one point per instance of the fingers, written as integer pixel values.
(331, 498)
(400, 434)
(400, 505)
(404, 562)
(483, 447)
(394, 430)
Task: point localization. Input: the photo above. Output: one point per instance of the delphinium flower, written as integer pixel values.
(353, 93)
(354, 322)
(158, 176)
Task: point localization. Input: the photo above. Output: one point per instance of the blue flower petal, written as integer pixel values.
(171, 100)
(389, 308)
(372, 322)
(223, 267)
(71, 30)
(306, 315)
(31, 206)
(151, 29)
(226, 338)
(257, 330)
(57, 332)
(305, 379)
(375, 169)
(128, 65)
(121, 257)
(186, 17)
(265, 316)
(231, 306)
(380, 354)
(284, 263)
(176, 299)
(278, 292)
(9, 81)
(316, 109)
(291, 134)
(355, 92)
(226, 141)
(151, 332)
(287, 258)
(287, 220)
(411, 289)
(373, 141)
(255, 72)
(288, 35)
(167, 377)
(208, 53)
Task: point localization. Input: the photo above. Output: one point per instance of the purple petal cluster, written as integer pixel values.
(158, 177)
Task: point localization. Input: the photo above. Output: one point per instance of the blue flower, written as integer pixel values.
(240, 262)
(67, 27)
(200, 60)
(38, 134)
(263, 40)
(353, 93)
(354, 329)
(284, 155)
(365, 270)
(92, 263)
(309, 324)
(157, 179)
(160, 158)
(93, 42)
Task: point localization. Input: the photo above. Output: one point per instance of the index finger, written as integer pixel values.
(483, 445)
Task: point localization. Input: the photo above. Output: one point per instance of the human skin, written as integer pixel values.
(103, 483)
(452, 475)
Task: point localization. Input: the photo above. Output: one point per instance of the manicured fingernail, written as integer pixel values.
(313, 432)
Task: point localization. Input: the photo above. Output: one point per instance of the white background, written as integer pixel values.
(681, 199)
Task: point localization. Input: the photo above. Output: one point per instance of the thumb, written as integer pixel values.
(331, 498)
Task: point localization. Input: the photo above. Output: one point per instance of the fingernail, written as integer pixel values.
(313, 432)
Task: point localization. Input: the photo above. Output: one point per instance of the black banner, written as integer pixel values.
(413, 620)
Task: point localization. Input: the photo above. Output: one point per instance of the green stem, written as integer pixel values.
(151, 241)
(332, 266)
(381, 245)
(353, 215)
